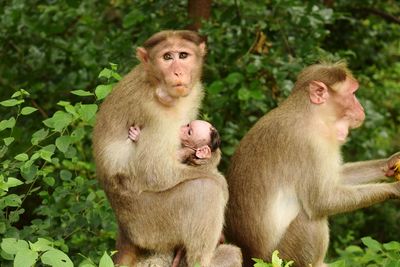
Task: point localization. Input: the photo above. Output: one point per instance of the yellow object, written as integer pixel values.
(397, 170)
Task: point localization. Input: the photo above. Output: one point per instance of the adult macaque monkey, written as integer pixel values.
(286, 176)
(161, 205)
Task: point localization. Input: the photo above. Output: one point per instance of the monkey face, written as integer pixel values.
(179, 63)
(346, 99)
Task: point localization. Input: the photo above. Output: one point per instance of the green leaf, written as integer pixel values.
(103, 90)
(234, 78)
(20, 92)
(105, 73)
(65, 175)
(56, 258)
(8, 140)
(82, 93)
(243, 94)
(4, 124)
(59, 121)
(106, 261)
(46, 154)
(63, 142)
(29, 172)
(87, 112)
(133, 18)
(10, 245)
(11, 102)
(25, 258)
(12, 200)
(22, 157)
(12, 182)
(216, 87)
(39, 136)
(393, 245)
(371, 243)
(28, 110)
(49, 180)
(41, 245)
(276, 261)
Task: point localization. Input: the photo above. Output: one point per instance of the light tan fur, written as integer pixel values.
(287, 176)
(160, 204)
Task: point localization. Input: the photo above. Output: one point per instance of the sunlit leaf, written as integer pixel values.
(28, 110)
(56, 258)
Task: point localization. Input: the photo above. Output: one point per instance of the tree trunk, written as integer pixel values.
(198, 10)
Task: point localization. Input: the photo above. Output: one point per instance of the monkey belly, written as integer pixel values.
(165, 220)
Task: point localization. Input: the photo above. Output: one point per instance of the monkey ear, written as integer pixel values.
(203, 152)
(142, 55)
(203, 49)
(319, 92)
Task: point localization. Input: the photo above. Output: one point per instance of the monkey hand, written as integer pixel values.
(134, 132)
(393, 166)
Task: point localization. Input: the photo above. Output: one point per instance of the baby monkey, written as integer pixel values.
(198, 140)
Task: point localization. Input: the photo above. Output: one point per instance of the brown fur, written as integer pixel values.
(286, 177)
(160, 204)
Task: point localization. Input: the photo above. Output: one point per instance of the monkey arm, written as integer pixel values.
(369, 171)
(363, 171)
(345, 198)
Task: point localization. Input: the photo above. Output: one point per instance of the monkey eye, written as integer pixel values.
(183, 55)
(167, 56)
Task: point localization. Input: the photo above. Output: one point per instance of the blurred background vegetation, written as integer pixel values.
(53, 48)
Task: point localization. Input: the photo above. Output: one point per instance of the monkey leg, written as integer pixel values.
(127, 253)
(190, 215)
(202, 225)
(305, 241)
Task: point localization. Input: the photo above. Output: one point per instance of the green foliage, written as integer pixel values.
(275, 261)
(375, 254)
(55, 50)
(48, 189)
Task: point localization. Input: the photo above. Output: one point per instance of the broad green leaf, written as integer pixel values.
(49, 180)
(28, 110)
(56, 258)
(82, 93)
(39, 136)
(25, 258)
(103, 90)
(105, 73)
(20, 92)
(4, 124)
(11, 102)
(22, 157)
(339, 263)
(9, 245)
(12, 245)
(65, 175)
(41, 245)
(133, 18)
(46, 155)
(234, 78)
(12, 200)
(106, 261)
(393, 245)
(216, 87)
(371, 243)
(63, 142)
(276, 261)
(8, 140)
(59, 121)
(243, 94)
(354, 249)
(87, 112)
(116, 76)
(12, 182)
(29, 172)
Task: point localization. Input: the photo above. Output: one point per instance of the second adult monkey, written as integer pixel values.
(287, 176)
(160, 203)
